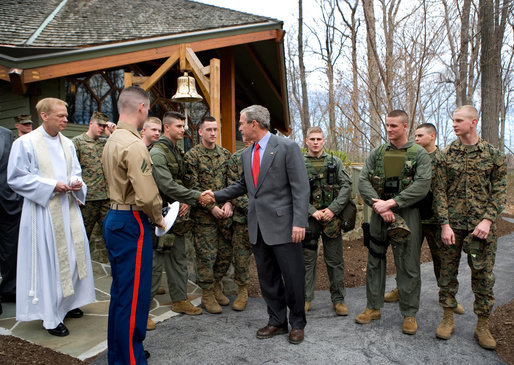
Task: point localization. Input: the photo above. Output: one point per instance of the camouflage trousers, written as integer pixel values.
(213, 248)
(333, 255)
(482, 276)
(174, 262)
(93, 212)
(242, 252)
(432, 232)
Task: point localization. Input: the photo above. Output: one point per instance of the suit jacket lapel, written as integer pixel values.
(267, 159)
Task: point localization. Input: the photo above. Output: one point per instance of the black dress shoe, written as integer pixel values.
(60, 331)
(147, 354)
(10, 297)
(75, 313)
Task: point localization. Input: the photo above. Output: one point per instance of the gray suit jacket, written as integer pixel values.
(10, 201)
(281, 198)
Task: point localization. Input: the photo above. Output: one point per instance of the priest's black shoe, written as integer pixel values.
(75, 313)
(147, 354)
(60, 331)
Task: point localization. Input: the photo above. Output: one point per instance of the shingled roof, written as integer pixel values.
(82, 23)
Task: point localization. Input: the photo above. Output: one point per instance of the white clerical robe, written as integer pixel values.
(39, 293)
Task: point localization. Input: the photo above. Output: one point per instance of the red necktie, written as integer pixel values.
(256, 163)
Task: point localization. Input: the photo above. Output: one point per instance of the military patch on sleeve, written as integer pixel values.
(144, 166)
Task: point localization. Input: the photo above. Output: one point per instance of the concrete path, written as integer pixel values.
(229, 338)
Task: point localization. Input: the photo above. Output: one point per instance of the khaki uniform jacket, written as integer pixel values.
(128, 170)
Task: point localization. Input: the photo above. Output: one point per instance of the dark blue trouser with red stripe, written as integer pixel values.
(129, 243)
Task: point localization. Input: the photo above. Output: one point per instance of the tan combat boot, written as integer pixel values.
(209, 302)
(445, 329)
(150, 324)
(410, 326)
(392, 296)
(483, 335)
(218, 294)
(241, 299)
(185, 306)
(308, 306)
(459, 309)
(341, 309)
(368, 315)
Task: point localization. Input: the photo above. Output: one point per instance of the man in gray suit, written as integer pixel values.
(10, 214)
(275, 179)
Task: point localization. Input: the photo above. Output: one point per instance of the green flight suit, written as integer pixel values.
(334, 197)
(170, 253)
(406, 254)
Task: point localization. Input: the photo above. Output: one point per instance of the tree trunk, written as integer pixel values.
(304, 111)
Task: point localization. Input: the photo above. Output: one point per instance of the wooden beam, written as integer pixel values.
(127, 79)
(4, 73)
(123, 59)
(182, 56)
(156, 76)
(215, 95)
(139, 80)
(263, 72)
(17, 84)
(196, 67)
(228, 99)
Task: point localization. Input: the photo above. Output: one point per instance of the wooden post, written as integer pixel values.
(228, 99)
(215, 94)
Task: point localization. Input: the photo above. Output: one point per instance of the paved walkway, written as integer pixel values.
(229, 338)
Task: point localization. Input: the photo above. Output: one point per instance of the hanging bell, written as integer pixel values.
(186, 90)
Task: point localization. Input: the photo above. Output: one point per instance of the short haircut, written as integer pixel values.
(429, 127)
(169, 117)
(207, 118)
(469, 110)
(130, 98)
(259, 114)
(315, 130)
(399, 113)
(46, 105)
(152, 120)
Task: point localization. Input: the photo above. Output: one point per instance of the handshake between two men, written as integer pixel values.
(207, 199)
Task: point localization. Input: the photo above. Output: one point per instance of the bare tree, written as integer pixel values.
(304, 107)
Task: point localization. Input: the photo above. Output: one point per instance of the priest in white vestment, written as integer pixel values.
(54, 276)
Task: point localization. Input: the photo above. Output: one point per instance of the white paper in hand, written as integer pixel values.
(169, 219)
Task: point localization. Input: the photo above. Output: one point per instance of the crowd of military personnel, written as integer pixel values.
(450, 197)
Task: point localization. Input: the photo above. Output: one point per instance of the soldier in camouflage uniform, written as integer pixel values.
(170, 251)
(89, 146)
(331, 190)
(470, 192)
(207, 168)
(394, 178)
(425, 136)
(242, 248)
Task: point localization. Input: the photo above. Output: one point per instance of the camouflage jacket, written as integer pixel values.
(89, 154)
(168, 172)
(235, 169)
(470, 184)
(206, 170)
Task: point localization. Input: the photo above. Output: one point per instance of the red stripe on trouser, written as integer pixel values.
(135, 292)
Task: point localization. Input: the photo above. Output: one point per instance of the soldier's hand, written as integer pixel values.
(298, 234)
(161, 224)
(380, 206)
(217, 212)
(318, 215)
(227, 209)
(328, 215)
(206, 198)
(482, 229)
(388, 216)
(184, 208)
(447, 235)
